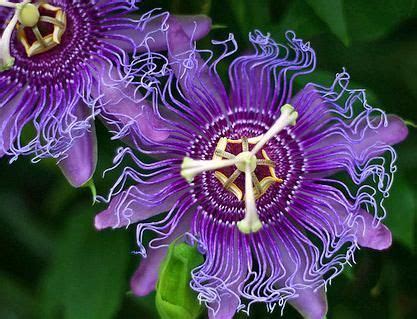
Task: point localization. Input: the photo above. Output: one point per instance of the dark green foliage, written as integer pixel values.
(87, 276)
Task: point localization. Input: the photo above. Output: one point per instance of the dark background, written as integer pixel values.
(53, 264)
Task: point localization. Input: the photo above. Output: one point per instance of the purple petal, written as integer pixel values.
(145, 278)
(312, 109)
(394, 132)
(227, 307)
(371, 234)
(153, 34)
(299, 273)
(202, 87)
(132, 206)
(368, 231)
(125, 110)
(196, 26)
(218, 281)
(81, 159)
(310, 304)
(343, 147)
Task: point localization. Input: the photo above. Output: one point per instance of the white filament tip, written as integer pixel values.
(186, 171)
(251, 223)
(191, 168)
(289, 111)
(248, 227)
(288, 117)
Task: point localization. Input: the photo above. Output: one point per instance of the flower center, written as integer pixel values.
(39, 28)
(245, 162)
(245, 158)
(43, 29)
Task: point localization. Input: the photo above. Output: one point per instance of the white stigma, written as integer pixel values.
(23, 11)
(288, 117)
(191, 168)
(251, 223)
(245, 162)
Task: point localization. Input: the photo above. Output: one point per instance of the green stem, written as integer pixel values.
(410, 123)
(90, 184)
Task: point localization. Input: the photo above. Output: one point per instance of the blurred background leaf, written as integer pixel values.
(374, 19)
(401, 207)
(86, 277)
(332, 13)
(191, 6)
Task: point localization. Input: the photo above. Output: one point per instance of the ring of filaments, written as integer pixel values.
(246, 162)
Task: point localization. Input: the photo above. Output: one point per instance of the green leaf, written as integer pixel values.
(23, 227)
(87, 278)
(16, 300)
(401, 211)
(174, 297)
(332, 13)
(191, 6)
(250, 15)
(299, 18)
(372, 19)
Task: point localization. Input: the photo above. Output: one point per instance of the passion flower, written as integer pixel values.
(64, 62)
(280, 189)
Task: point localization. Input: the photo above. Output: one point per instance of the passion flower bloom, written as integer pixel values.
(279, 189)
(63, 62)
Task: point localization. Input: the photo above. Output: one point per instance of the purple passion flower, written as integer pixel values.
(279, 189)
(64, 62)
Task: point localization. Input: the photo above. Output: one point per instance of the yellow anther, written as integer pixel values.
(229, 185)
(29, 15)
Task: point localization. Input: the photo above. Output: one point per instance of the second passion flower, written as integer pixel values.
(64, 62)
(279, 189)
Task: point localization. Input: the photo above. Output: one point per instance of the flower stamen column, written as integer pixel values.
(246, 162)
(25, 13)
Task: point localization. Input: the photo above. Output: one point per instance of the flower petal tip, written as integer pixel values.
(311, 304)
(378, 238)
(79, 178)
(103, 220)
(397, 128)
(195, 26)
(138, 289)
